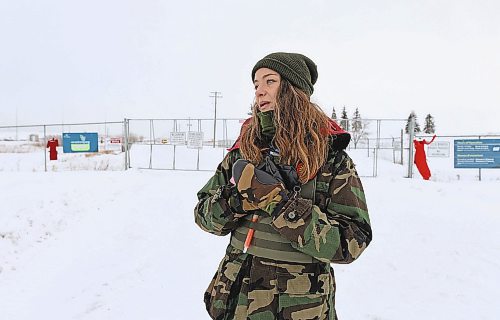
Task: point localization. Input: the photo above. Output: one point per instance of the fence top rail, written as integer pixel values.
(182, 119)
(60, 124)
(211, 119)
(459, 136)
(244, 118)
(370, 119)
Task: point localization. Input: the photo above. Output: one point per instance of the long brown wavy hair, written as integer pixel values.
(300, 136)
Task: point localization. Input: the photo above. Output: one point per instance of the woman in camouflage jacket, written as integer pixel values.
(289, 180)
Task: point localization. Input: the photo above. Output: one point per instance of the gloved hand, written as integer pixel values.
(284, 173)
(230, 194)
(258, 189)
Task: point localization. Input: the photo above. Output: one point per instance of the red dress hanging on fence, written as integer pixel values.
(421, 159)
(52, 144)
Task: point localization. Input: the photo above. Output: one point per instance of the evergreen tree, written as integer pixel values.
(417, 126)
(250, 112)
(429, 127)
(344, 123)
(334, 114)
(358, 128)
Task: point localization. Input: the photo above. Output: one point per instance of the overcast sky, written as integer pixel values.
(95, 60)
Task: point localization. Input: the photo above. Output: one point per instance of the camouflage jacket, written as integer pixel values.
(336, 230)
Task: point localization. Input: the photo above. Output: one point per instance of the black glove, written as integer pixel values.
(292, 205)
(259, 189)
(230, 194)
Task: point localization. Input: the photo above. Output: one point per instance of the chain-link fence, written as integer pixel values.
(373, 140)
(27, 147)
(179, 144)
(447, 160)
(380, 147)
(161, 143)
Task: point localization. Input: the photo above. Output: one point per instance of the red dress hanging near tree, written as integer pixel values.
(421, 159)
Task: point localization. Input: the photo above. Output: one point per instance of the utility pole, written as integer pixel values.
(16, 126)
(215, 95)
(62, 118)
(411, 129)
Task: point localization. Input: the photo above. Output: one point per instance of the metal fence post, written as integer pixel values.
(393, 151)
(175, 130)
(128, 145)
(368, 139)
(411, 128)
(45, 144)
(402, 147)
(125, 138)
(150, 143)
(375, 173)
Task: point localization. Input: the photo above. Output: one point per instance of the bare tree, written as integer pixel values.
(358, 128)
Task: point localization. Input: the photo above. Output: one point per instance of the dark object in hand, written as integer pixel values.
(286, 174)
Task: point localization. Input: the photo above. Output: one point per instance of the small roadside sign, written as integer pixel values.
(113, 143)
(178, 138)
(439, 149)
(195, 140)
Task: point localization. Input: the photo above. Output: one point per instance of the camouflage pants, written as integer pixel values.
(246, 287)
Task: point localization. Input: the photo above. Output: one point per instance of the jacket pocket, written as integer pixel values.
(303, 295)
(218, 295)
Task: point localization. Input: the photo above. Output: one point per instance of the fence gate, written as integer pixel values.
(188, 144)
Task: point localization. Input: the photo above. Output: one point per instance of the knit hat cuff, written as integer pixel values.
(298, 69)
(297, 79)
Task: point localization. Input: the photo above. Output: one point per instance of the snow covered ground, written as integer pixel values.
(123, 245)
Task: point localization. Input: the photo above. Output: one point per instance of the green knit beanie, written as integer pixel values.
(295, 67)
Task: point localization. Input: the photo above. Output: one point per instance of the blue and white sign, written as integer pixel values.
(80, 142)
(477, 153)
